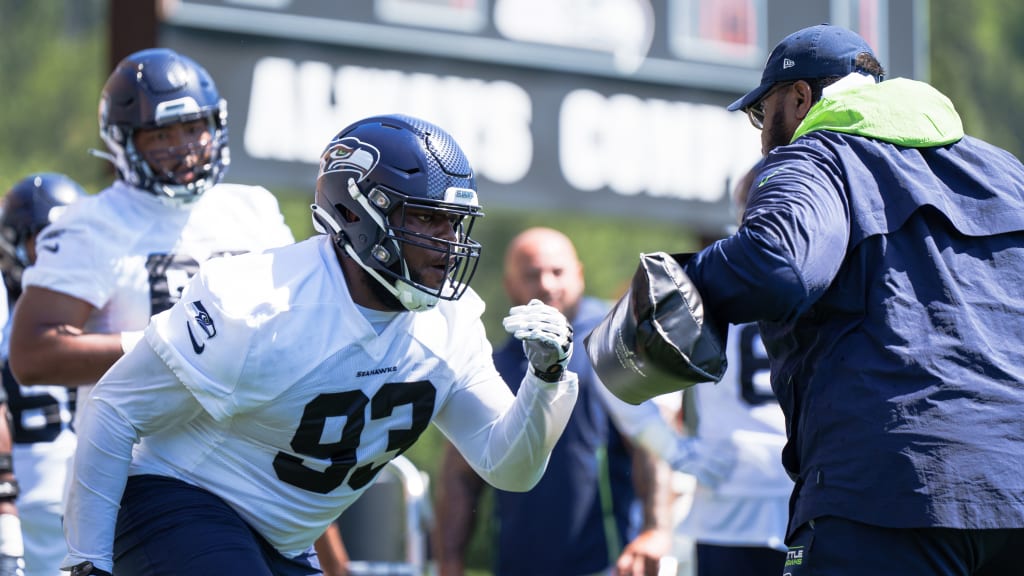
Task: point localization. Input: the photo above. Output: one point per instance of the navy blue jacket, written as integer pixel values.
(882, 253)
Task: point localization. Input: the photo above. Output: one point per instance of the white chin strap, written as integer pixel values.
(414, 299)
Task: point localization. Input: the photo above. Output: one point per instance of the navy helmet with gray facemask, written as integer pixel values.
(33, 203)
(371, 173)
(155, 88)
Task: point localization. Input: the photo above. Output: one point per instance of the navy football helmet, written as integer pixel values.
(30, 205)
(151, 89)
(370, 174)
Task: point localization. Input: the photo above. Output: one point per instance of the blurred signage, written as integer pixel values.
(601, 106)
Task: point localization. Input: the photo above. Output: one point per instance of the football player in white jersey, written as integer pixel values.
(40, 415)
(737, 430)
(11, 547)
(267, 399)
(124, 254)
(119, 257)
(739, 525)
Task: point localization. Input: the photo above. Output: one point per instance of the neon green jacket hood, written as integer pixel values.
(901, 111)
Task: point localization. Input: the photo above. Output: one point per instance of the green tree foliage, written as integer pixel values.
(977, 59)
(52, 65)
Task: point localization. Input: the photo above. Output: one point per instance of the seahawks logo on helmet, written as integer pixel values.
(349, 155)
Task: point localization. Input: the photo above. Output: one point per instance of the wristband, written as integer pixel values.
(554, 373)
(8, 490)
(87, 569)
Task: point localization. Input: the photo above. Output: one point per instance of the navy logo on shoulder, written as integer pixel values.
(203, 320)
(47, 235)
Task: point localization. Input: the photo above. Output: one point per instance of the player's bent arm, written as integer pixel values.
(508, 439)
(652, 485)
(651, 440)
(331, 551)
(138, 396)
(48, 345)
(455, 512)
(651, 482)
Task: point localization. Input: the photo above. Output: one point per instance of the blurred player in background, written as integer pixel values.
(740, 525)
(577, 519)
(268, 398)
(41, 415)
(735, 432)
(12, 547)
(124, 254)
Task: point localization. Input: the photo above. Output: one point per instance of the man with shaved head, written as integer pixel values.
(541, 263)
(576, 520)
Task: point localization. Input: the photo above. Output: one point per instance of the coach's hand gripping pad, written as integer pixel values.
(656, 339)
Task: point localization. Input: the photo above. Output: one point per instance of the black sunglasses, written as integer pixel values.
(755, 112)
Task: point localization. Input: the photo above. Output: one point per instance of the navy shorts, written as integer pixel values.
(838, 547)
(717, 560)
(168, 527)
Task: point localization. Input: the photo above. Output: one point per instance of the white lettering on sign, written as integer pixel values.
(629, 145)
(294, 108)
(655, 147)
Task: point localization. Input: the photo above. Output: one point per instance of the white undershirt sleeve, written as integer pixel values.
(642, 423)
(137, 396)
(507, 439)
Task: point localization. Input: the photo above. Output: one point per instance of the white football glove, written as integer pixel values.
(546, 336)
(710, 462)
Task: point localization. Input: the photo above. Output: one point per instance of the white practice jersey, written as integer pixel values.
(129, 253)
(40, 413)
(742, 408)
(739, 413)
(43, 446)
(751, 507)
(292, 402)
